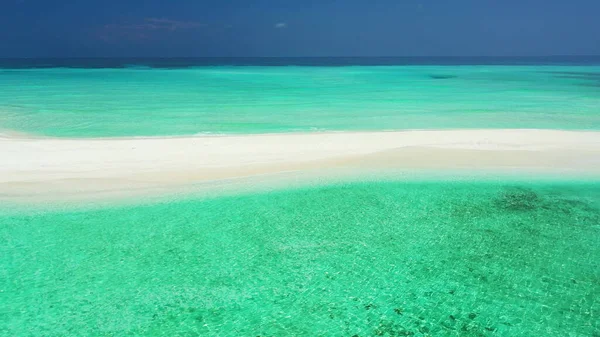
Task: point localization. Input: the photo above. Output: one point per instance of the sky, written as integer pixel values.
(250, 28)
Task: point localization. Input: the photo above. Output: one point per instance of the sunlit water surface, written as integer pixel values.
(362, 259)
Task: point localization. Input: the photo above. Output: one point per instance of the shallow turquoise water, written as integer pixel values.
(363, 259)
(146, 102)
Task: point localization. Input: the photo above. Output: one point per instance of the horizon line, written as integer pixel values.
(283, 57)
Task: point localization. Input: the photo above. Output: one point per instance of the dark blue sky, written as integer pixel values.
(75, 28)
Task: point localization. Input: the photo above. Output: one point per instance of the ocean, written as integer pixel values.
(362, 259)
(134, 97)
(378, 257)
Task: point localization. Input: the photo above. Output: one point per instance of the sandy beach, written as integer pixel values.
(52, 168)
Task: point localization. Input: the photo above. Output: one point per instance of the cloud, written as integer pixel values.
(144, 29)
(280, 25)
(172, 25)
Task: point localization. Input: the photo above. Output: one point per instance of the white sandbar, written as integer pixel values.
(51, 168)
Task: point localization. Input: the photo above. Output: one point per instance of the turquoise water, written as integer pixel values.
(363, 259)
(435, 258)
(83, 102)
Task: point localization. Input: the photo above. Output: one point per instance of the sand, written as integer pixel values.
(37, 168)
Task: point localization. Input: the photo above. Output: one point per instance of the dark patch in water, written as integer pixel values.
(442, 77)
(591, 79)
(423, 326)
(518, 199)
(577, 74)
(389, 328)
(585, 213)
(592, 84)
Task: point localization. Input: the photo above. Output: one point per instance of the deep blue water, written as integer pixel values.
(290, 61)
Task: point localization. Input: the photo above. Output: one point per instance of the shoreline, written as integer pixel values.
(43, 169)
(23, 135)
